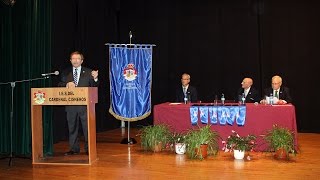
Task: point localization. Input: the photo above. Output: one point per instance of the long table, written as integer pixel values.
(259, 119)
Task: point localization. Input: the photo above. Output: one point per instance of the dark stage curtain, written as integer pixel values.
(25, 53)
(221, 42)
(217, 42)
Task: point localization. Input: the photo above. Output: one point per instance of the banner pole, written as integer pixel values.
(128, 140)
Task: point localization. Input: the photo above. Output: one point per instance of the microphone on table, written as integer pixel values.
(49, 74)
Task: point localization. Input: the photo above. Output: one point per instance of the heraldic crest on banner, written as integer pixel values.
(130, 73)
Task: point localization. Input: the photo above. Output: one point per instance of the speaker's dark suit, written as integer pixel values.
(191, 93)
(74, 113)
(252, 96)
(284, 93)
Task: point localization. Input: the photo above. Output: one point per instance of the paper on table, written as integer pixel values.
(275, 100)
(174, 103)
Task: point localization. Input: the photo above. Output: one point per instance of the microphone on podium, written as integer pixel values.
(49, 74)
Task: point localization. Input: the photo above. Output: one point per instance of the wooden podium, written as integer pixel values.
(63, 96)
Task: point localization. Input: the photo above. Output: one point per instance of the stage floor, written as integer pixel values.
(121, 161)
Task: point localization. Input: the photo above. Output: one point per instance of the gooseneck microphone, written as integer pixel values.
(49, 74)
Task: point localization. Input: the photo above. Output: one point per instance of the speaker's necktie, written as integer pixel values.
(276, 94)
(185, 91)
(75, 76)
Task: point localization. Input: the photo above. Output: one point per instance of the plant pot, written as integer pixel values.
(281, 154)
(238, 154)
(203, 151)
(157, 147)
(180, 148)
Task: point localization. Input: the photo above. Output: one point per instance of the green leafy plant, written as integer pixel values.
(236, 142)
(177, 138)
(152, 136)
(280, 138)
(202, 136)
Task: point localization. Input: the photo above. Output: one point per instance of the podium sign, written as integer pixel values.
(62, 96)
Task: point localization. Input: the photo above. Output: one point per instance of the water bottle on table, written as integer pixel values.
(271, 99)
(185, 99)
(243, 99)
(222, 99)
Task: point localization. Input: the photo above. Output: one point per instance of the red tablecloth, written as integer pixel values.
(259, 119)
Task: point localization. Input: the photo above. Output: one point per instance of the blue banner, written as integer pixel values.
(130, 82)
(194, 115)
(203, 114)
(213, 115)
(222, 114)
(233, 112)
(241, 118)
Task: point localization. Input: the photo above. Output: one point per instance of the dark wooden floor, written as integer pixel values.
(119, 161)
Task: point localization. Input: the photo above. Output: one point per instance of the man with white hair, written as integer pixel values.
(278, 91)
(186, 92)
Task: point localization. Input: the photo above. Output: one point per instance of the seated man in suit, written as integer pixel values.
(186, 91)
(278, 91)
(250, 93)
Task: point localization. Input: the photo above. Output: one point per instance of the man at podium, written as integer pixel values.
(72, 77)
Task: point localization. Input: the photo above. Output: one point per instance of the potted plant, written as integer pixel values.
(178, 142)
(201, 142)
(154, 138)
(239, 144)
(280, 140)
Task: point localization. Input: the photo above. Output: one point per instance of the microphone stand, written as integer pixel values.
(13, 84)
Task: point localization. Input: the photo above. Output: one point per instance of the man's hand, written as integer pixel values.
(71, 85)
(263, 101)
(282, 101)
